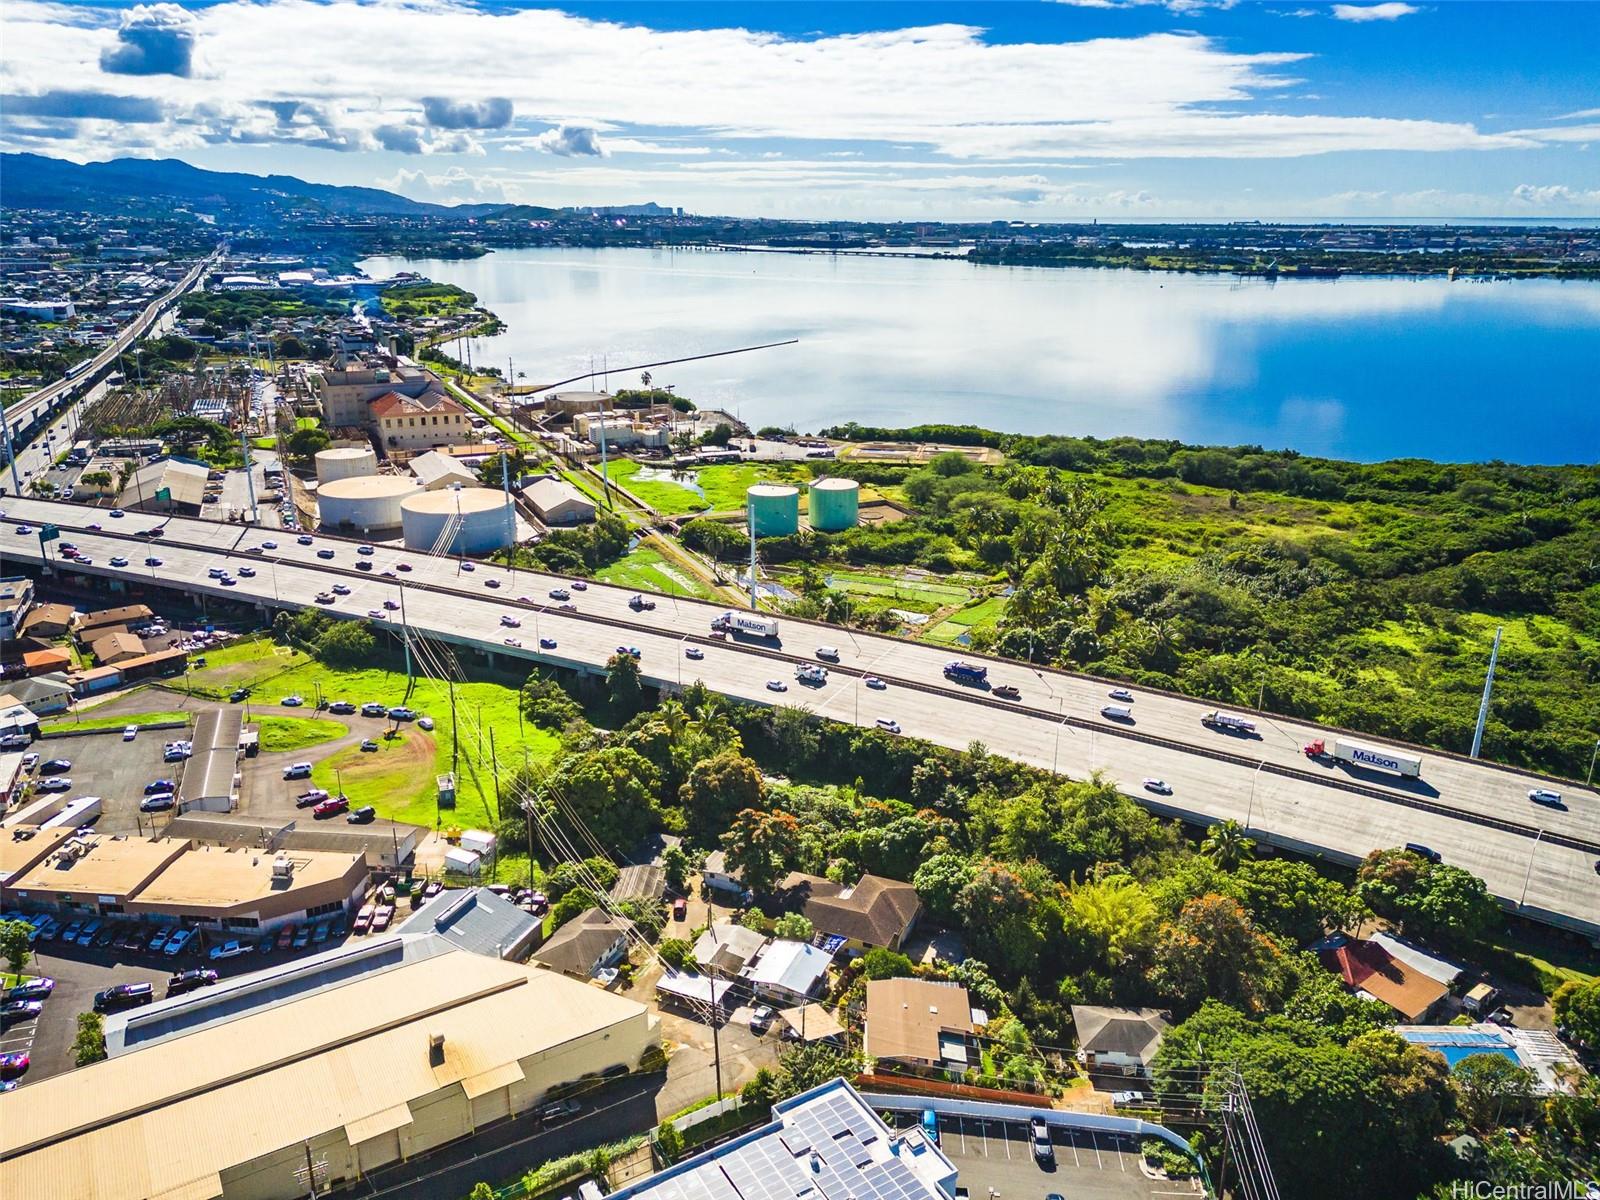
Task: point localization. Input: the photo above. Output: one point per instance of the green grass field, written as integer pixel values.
(663, 495)
(250, 662)
(298, 733)
(982, 615)
(89, 721)
(726, 483)
(647, 570)
(399, 780)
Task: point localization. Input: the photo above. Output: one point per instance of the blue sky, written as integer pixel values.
(1038, 111)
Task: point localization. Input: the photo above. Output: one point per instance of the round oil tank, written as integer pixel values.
(364, 503)
(486, 523)
(774, 509)
(835, 504)
(345, 462)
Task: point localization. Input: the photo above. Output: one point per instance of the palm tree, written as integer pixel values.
(1227, 846)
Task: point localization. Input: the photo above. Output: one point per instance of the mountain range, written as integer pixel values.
(135, 184)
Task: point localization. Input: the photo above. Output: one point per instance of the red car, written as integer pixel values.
(680, 909)
(331, 808)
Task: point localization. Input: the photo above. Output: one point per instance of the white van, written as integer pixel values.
(828, 653)
(1117, 712)
(297, 771)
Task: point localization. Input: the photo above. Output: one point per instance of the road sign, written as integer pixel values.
(164, 493)
(48, 533)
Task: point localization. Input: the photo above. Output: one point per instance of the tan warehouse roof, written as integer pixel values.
(169, 1119)
(113, 866)
(20, 854)
(214, 877)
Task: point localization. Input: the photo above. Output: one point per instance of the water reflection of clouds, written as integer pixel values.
(889, 341)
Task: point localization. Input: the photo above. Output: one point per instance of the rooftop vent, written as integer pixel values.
(282, 868)
(436, 1050)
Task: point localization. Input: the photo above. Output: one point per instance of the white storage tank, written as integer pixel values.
(345, 462)
(430, 521)
(364, 503)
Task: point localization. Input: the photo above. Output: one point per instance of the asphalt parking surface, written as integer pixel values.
(995, 1161)
(106, 766)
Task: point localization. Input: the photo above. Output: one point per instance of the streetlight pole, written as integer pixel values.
(1590, 776)
(1251, 810)
(1056, 756)
(1532, 854)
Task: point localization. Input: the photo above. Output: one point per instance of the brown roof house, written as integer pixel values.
(1119, 1039)
(587, 944)
(921, 1021)
(127, 614)
(873, 911)
(1369, 968)
(114, 648)
(48, 621)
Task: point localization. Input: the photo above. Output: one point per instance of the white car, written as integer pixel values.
(425, 723)
(177, 942)
(514, 642)
(777, 685)
(1122, 694)
(560, 594)
(1545, 796)
(694, 652)
(509, 621)
(872, 681)
(130, 732)
(339, 589)
(292, 701)
(1160, 786)
(230, 950)
(890, 725)
(118, 561)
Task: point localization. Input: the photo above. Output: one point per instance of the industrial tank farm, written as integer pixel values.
(430, 521)
(774, 509)
(835, 504)
(364, 504)
(345, 462)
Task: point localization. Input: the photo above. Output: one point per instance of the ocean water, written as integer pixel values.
(1362, 368)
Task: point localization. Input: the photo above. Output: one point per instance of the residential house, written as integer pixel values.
(788, 972)
(587, 944)
(1370, 970)
(112, 648)
(873, 911)
(128, 614)
(646, 883)
(48, 621)
(16, 600)
(715, 874)
(728, 947)
(1124, 1040)
(921, 1021)
(43, 694)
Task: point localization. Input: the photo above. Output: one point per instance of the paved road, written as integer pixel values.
(504, 1151)
(1476, 815)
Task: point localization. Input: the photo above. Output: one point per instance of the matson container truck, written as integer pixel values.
(1357, 755)
(749, 624)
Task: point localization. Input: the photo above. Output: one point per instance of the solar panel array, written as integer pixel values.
(845, 1140)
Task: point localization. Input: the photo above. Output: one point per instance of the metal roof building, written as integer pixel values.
(208, 774)
(827, 1142)
(350, 1078)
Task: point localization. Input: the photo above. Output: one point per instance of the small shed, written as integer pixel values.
(461, 861)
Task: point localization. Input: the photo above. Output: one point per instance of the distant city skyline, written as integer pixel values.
(1187, 109)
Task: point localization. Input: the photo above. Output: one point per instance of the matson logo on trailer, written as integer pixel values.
(1384, 760)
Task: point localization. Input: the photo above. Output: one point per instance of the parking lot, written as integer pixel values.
(117, 771)
(996, 1162)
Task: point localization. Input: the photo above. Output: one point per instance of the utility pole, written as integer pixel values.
(405, 636)
(1488, 690)
(494, 770)
(751, 522)
(455, 741)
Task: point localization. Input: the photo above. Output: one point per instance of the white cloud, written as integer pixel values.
(1581, 115)
(1555, 194)
(1392, 11)
(942, 88)
(452, 186)
(568, 141)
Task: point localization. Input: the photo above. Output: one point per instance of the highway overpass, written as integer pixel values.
(1539, 860)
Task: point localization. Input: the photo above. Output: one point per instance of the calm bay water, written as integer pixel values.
(1351, 368)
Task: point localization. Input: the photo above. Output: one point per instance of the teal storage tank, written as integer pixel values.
(835, 504)
(773, 509)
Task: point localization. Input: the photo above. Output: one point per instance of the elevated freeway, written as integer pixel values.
(24, 417)
(1538, 860)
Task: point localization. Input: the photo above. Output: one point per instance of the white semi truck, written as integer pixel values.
(1357, 755)
(747, 623)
